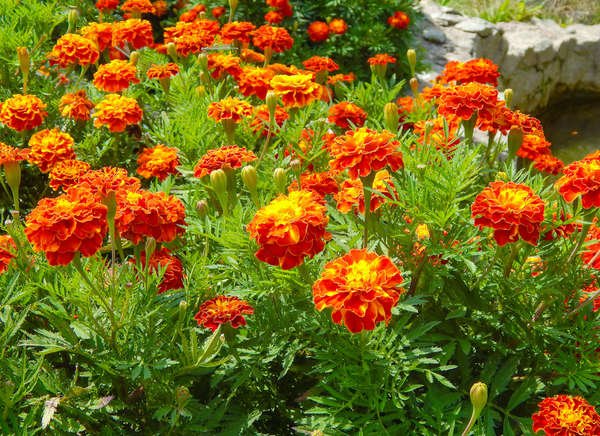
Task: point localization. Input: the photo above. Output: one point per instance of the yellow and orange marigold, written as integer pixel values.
(338, 26)
(22, 112)
(75, 105)
(273, 38)
(582, 179)
(99, 33)
(163, 260)
(463, 101)
(381, 59)
(138, 7)
(399, 20)
(163, 71)
(229, 108)
(364, 151)
(566, 415)
(74, 222)
(48, 147)
(107, 5)
(261, 120)
(107, 180)
(191, 37)
(320, 183)
(361, 288)
(223, 310)
(223, 158)
(115, 76)
(548, 163)
(513, 210)
(318, 31)
(344, 113)
(240, 31)
(479, 70)
(254, 81)
(73, 49)
(134, 32)
(290, 228)
(297, 90)
(158, 161)
(66, 173)
(8, 250)
(116, 112)
(351, 193)
(10, 155)
(320, 63)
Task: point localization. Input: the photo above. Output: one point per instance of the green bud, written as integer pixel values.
(479, 396)
(391, 117)
(411, 55)
(515, 139)
(149, 248)
(218, 180)
(271, 100)
(134, 57)
(250, 177)
(203, 62)
(172, 51)
(280, 179)
(202, 208)
(508, 97)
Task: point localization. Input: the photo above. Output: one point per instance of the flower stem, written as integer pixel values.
(367, 182)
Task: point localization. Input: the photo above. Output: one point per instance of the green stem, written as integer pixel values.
(514, 250)
(367, 186)
(470, 424)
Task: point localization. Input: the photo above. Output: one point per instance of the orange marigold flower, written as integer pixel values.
(107, 5)
(320, 183)
(533, 146)
(351, 193)
(240, 31)
(591, 254)
(218, 11)
(221, 64)
(338, 26)
(75, 105)
(332, 80)
(318, 31)
(270, 37)
(138, 7)
(161, 8)
(464, 100)
(48, 147)
(99, 33)
(363, 151)
(361, 288)
(158, 161)
(252, 56)
(282, 6)
(11, 155)
(499, 118)
(562, 228)
(22, 112)
(223, 158)
(512, 210)
(297, 90)
(381, 59)
(71, 223)
(527, 123)
(261, 120)
(344, 113)
(582, 178)
(479, 70)
(285, 70)
(223, 310)
(192, 14)
(106, 180)
(163, 71)
(116, 112)
(399, 20)
(230, 108)
(254, 81)
(72, 49)
(320, 63)
(547, 163)
(566, 415)
(66, 173)
(163, 260)
(192, 37)
(405, 105)
(142, 213)
(274, 17)
(134, 32)
(115, 76)
(290, 228)
(7, 251)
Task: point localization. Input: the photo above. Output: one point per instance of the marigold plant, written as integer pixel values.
(73, 49)
(566, 415)
(296, 90)
(582, 179)
(223, 310)
(8, 250)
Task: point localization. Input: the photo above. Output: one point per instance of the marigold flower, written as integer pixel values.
(218, 11)
(66, 173)
(192, 14)
(270, 37)
(163, 260)
(138, 7)
(22, 112)
(252, 56)
(527, 123)
(464, 100)
(320, 183)
(221, 64)
(75, 105)
(591, 254)
(223, 158)
(63, 226)
(361, 288)
(48, 147)
(381, 59)
(285, 70)
(512, 210)
(332, 80)
(441, 132)
(99, 33)
(499, 118)
(116, 112)
(282, 6)
(192, 37)
(363, 151)
(115, 76)
(566, 415)
(582, 178)
(318, 31)
(290, 228)
(547, 163)
(158, 161)
(161, 8)
(108, 179)
(230, 108)
(533, 146)
(240, 31)
(72, 49)
(338, 26)
(320, 63)
(107, 5)
(561, 228)
(351, 193)
(254, 81)
(8, 250)
(135, 32)
(297, 90)
(344, 113)
(164, 71)
(222, 310)
(479, 70)
(262, 116)
(142, 213)
(399, 20)
(10, 155)
(274, 17)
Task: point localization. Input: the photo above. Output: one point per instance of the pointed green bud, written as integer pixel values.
(280, 179)
(391, 117)
(411, 55)
(479, 396)
(508, 97)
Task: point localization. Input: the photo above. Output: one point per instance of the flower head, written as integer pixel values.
(230, 108)
(71, 223)
(590, 255)
(338, 26)
(290, 228)
(164, 71)
(320, 63)
(261, 120)
(158, 161)
(116, 112)
(381, 59)
(222, 310)
(533, 146)
(270, 37)
(107, 5)
(297, 90)
(106, 180)
(476, 70)
(138, 7)
(10, 155)
(351, 193)
(66, 173)
(566, 415)
(115, 76)
(48, 147)
(361, 288)
(75, 105)
(72, 49)
(548, 163)
(463, 101)
(254, 81)
(221, 63)
(344, 113)
(227, 157)
(22, 112)
(399, 20)
(8, 250)
(320, 183)
(171, 265)
(512, 210)
(99, 33)
(134, 32)
(318, 31)
(582, 179)
(237, 31)
(191, 37)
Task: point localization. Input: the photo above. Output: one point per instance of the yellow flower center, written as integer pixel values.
(359, 274)
(513, 198)
(569, 417)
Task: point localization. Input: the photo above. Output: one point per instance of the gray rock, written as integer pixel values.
(447, 19)
(476, 25)
(434, 35)
(544, 50)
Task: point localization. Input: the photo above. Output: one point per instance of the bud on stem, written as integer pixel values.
(479, 395)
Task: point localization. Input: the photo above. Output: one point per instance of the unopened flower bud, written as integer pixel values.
(479, 396)
(414, 86)
(218, 180)
(183, 305)
(296, 165)
(134, 56)
(502, 176)
(172, 51)
(149, 247)
(411, 55)
(72, 19)
(391, 117)
(249, 177)
(233, 4)
(280, 179)
(271, 101)
(204, 78)
(182, 395)
(203, 62)
(24, 60)
(201, 91)
(508, 96)
(202, 208)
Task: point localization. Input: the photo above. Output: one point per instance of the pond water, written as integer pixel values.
(573, 128)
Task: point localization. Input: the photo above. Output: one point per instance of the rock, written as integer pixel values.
(447, 19)
(476, 25)
(545, 51)
(434, 35)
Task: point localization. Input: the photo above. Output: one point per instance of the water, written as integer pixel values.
(573, 128)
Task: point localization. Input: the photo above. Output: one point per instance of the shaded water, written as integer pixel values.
(573, 128)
